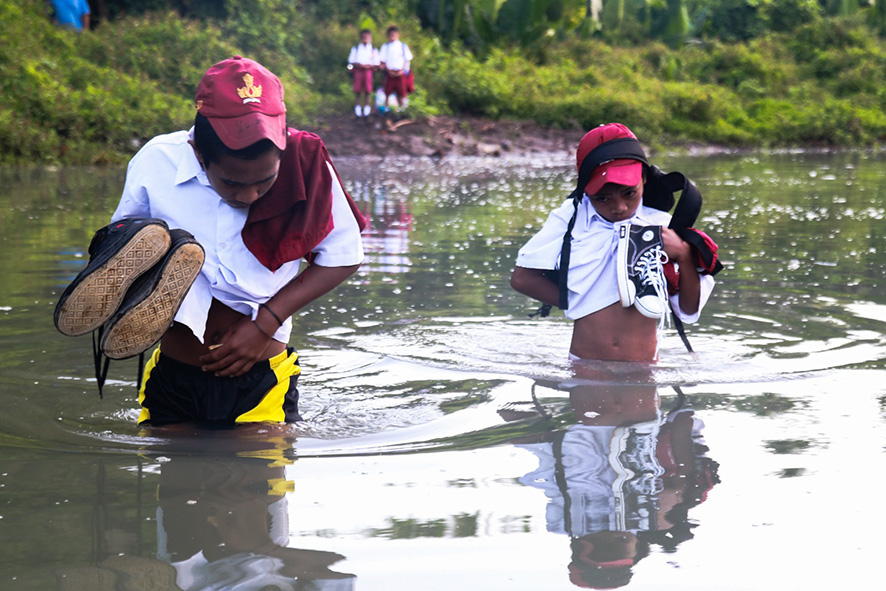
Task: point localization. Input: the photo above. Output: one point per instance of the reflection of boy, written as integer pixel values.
(395, 57)
(224, 523)
(619, 477)
(363, 60)
(259, 197)
(603, 328)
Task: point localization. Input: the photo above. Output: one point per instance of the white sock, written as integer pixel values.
(366, 110)
(405, 102)
(357, 110)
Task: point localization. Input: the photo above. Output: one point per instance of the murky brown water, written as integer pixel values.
(448, 442)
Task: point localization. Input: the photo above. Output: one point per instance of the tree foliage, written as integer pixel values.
(737, 72)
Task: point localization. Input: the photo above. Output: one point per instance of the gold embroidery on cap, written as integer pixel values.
(249, 93)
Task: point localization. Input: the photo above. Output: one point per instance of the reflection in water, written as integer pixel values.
(620, 479)
(431, 359)
(386, 238)
(222, 523)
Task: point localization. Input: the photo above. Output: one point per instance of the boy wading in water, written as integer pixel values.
(246, 198)
(616, 257)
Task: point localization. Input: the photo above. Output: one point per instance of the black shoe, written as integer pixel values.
(150, 305)
(641, 280)
(118, 254)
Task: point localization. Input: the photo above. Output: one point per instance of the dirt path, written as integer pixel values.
(440, 136)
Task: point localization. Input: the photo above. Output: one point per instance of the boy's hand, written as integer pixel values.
(241, 347)
(677, 249)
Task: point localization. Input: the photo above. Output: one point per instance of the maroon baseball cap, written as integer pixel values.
(622, 172)
(243, 101)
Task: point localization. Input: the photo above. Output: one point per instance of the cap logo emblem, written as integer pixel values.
(249, 93)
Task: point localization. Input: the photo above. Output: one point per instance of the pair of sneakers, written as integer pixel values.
(138, 273)
(639, 264)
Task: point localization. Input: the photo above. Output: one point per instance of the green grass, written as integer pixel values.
(96, 97)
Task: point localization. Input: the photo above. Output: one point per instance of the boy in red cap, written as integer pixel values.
(607, 246)
(258, 197)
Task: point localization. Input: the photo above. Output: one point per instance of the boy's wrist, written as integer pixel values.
(267, 321)
(261, 330)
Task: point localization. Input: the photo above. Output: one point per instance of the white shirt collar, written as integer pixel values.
(189, 167)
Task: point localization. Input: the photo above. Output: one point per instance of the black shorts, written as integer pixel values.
(175, 392)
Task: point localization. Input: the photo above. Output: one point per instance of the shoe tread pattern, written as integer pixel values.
(95, 299)
(147, 322)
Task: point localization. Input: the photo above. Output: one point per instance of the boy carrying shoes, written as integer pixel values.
(618, 259)
(245, 199)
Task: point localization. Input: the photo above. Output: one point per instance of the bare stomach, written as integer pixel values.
(615, 334)
(180, 344)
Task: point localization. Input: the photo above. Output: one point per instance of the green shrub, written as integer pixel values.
(98, 96)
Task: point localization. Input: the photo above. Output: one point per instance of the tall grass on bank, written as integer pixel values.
(97, 96)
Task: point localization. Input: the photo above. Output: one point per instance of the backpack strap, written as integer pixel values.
(658, 193)
(101, 362)
(561, 482)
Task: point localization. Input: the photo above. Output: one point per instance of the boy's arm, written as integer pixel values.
(681, 253)
(534, 283)
(337, 257)
(246, 341)
(134, 198)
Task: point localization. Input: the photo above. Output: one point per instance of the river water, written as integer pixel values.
(448, 441)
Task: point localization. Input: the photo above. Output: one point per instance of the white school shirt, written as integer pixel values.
(601, 468)
(164, 180)
(364, 54)
(395, 55)
(592, 281)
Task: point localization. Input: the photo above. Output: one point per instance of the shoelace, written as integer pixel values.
(102, 363)
(649, 268)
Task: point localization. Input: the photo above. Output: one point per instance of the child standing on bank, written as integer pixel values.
(396, 57)
(609, 249)
(363, 61)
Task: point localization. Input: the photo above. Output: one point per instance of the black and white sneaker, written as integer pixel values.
(641, 281)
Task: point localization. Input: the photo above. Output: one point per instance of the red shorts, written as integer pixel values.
(396, 85)
(362, 80)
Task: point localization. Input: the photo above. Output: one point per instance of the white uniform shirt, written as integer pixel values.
(395, 55)
(602, 468)
(364, 54)
(164, 180)
(592, 280)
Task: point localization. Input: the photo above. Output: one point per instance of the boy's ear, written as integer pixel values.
(197, 154)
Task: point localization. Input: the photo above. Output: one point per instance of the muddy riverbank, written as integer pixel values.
(440, 136)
